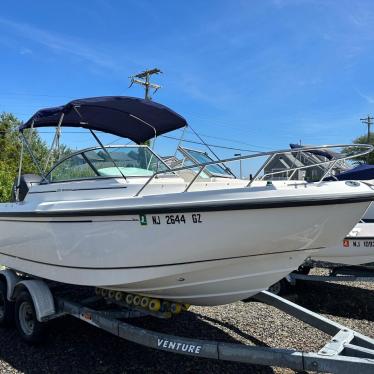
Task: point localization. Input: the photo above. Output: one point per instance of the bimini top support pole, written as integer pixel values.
(35, 161)
(16, 192)
(56, 140)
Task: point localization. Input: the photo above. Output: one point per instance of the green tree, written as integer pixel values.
(10, 150)
(366, 159)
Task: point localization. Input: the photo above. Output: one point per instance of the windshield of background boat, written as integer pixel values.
(131, 161)
(199, 157)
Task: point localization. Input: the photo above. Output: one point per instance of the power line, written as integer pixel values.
(163, 136)
(210, 145)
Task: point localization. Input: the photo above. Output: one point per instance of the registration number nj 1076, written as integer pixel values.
(358, 243)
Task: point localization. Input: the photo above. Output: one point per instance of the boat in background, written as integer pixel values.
(120, 218)
(357, 246)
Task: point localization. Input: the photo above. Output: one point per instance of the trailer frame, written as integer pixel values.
(347, 350)
(338, 273)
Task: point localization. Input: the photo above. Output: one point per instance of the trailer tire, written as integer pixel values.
(279, 288)
(30, 329)
(303, 269)
(6, 306)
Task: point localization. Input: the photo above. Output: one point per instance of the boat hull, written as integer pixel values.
(213, 257)
(356, 249)
(203, 283)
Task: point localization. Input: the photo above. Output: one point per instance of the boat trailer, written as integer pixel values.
(346, 352)
(337, 273)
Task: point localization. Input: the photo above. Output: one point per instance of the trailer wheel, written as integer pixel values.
(279, 288)
(303, 269)
(30, 329)
(6, 306)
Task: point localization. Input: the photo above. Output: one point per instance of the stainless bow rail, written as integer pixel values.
(362, 149)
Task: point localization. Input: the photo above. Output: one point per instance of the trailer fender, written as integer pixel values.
(41, 296)
(11, 279)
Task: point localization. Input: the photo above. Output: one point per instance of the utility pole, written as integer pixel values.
(368, 121)
(143, 79)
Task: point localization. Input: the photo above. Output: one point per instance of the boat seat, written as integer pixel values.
(26, 181)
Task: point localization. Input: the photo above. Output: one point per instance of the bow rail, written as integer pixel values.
(355, 150)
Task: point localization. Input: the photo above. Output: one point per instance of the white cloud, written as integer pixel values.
(58, 43)
(25, 51)
(368, 98)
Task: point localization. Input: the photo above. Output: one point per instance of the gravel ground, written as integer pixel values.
(76, 347)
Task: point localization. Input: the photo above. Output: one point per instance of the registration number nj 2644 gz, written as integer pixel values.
(177, 219)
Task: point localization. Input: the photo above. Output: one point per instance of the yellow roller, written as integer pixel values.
(118, 296)
(185, 306)
(98, 291)
(136, 300)
(104, 292)
(111, 294)
(175, 308)
(129, 298)
(154, 305)
(144, 302)
(165, 306)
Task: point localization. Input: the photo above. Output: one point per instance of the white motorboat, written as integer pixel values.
(357, 247)
(118, 217)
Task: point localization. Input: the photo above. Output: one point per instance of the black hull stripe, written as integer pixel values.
(367, 220)
(159, 265)
(15, 219)
(78, 189)
(207, 207)
(360, 238)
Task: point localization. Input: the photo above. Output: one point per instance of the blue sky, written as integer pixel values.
(262, 73)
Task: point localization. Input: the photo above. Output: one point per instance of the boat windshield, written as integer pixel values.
(199, 157)
(128, 161)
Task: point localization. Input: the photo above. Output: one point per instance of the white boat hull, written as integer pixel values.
(356, 249)
(208, 258)
(204, 283)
